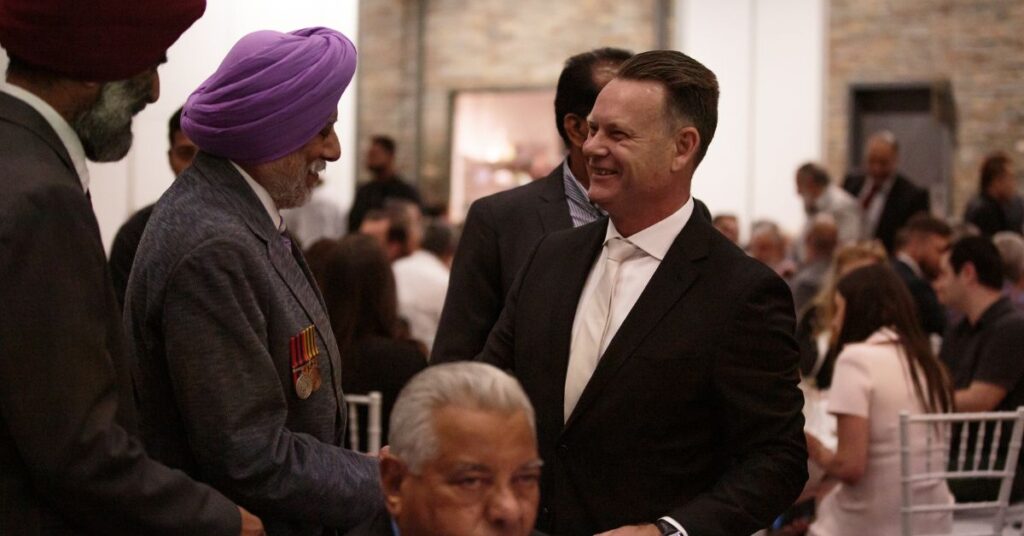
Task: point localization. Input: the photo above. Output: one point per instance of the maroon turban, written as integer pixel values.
(94, 40)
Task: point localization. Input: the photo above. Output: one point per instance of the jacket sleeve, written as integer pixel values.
(755, 381)
(232, 401)
(59, 394)
(474, 299)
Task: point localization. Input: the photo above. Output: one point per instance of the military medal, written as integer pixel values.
(305, 362)
(304, 385)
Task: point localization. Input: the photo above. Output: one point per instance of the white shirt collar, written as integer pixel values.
(657, 239)
(59, 125)
(261, 192)
(911, 263)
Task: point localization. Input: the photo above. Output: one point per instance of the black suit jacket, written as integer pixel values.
(68, 460)
(905, 201)
(693, 410)
(930, 313)
(499, 233)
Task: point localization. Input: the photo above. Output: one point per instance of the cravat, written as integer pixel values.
(586, 347)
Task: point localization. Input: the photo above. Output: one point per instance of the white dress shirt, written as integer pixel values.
(634, 273)
(263, 195)
(59, 125)
(845, 209)
(873, 212)
(421, 281)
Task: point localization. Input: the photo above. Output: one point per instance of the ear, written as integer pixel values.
(687, 143)
(969, 272)
(576, 129)
(392, 474)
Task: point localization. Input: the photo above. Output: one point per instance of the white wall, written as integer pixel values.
(120, 188)
(769, 56)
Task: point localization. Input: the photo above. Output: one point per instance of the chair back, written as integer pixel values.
(372, 401)
(962, 446)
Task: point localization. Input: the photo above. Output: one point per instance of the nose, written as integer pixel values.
(504, 507)
(593, 147)
(332, 147)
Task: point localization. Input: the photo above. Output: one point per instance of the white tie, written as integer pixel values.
(585, 351)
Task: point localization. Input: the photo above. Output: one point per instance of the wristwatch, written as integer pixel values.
(666, 528)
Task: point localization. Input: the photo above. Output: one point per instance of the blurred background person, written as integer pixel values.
(885, 367)
(1011, 251)
(919, 248)
(814, 329)
(728, 225)
(359, 290)
(126, 241)
(422, 281)
(820, 243)
(997, 206)
(820, 196)
(385, 183)
(768, 245)
(887, 198)
(982, 351)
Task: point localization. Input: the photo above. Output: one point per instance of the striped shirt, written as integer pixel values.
(581, 209)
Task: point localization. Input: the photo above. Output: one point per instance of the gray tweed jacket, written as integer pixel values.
(216, 309)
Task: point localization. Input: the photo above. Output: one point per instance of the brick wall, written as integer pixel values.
(978, 45)
(481, 44)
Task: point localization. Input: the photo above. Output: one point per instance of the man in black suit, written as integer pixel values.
(920, 246)
(888, 198)
(501, 229)
(386, 183)
(659, 357)
(69, 460)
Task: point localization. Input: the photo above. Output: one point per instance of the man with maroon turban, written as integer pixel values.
(69, 460)
(239, 376)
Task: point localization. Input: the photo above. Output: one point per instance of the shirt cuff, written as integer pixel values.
(675, 524)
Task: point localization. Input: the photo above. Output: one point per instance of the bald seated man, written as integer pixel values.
(463, 457)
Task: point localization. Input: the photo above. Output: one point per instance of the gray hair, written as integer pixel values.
(1011, 249)
(412, 437)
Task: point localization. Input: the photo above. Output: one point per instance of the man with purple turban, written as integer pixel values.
(239, 376)
(69, 459)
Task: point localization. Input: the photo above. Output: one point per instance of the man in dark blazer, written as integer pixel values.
(659, 357)
(888, 198)
(239, 375)
(501, 229)
(69, 460)
(920, 246)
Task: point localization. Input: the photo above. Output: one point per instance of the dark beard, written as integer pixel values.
(105, 129)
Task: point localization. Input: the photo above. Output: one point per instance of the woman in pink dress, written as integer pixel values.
(885, 366)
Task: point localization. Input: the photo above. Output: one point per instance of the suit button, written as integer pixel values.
(563, 449)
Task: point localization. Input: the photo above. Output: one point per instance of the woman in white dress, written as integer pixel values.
(885, 366)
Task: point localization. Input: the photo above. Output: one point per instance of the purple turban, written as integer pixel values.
(272, 93)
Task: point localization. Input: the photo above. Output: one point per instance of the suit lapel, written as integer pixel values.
(674, 276)
(290, 266)
(567, 295)
(553, 208)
